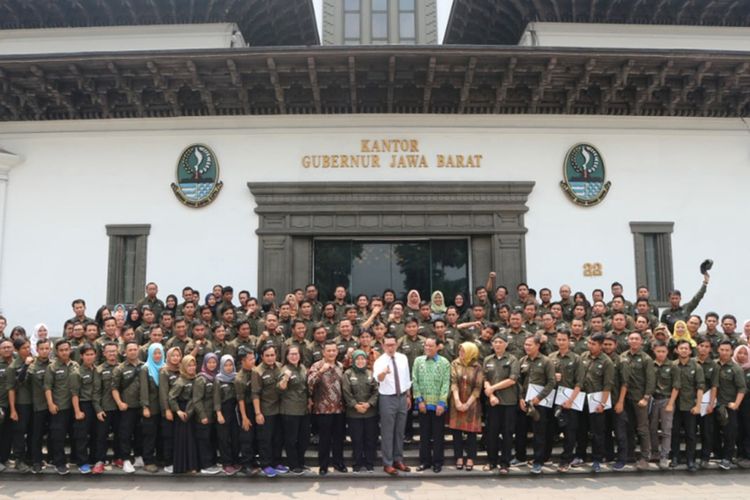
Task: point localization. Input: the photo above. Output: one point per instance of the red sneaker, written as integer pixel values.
(98, 468)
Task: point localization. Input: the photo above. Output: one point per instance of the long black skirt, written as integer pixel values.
(185, 452)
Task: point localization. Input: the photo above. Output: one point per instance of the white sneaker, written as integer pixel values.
(211, 470)
(138, 462)
(127, 467)
(169, 469)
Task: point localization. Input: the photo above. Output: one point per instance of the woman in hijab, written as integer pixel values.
(101, 314)
(133, 318)
(413, 300)
(746, 331)
(210, 301)
(168, 375)
(181, 404)
(203, 402)
(294, 415)
(227, 430)
(361, 397)
(149, 383)
(437, 305)
(459, 302)
(170, 304)
(465, 415)
(742, 358)
(41, 332)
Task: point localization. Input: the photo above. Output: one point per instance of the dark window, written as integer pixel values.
(653, 258)
(126, 276)
(372, 266)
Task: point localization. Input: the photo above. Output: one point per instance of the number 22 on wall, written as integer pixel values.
(592, 269)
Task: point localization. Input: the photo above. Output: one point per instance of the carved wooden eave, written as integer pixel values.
(497, 22)
(345, 80)
(262, 22)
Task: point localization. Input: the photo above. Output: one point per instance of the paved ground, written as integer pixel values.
(667, 486)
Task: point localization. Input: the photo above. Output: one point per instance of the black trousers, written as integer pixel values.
(247, 438)
(228, 434)
(6, 435)
(129, 422)
(204, 444)
(683, 421)
(539, 431)
(728, 436)
(331, 427)
(743, 429)
(594, 423)
(297, 439)
(84, 433)
(464, 447)
(431, 438)
(150, 436)
(501, 421)
(707, 424)
(60, 426)
(111, 424)
(22, 432)
(364, 434)
(570, 435)
(167, 440)
(270, 439)
(39, 427)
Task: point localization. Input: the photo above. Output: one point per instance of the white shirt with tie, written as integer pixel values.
(388, 386)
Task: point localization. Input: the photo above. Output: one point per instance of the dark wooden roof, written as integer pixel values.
(262, 22)
(329, 80)
(502, 22)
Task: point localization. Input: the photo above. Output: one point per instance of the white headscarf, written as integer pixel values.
(35, 337)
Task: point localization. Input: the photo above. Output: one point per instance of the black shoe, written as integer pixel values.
(422, 467)
(323, 472)
(408, 440)
(437, 468)
(62, 470)
(341, 468)
(36, 469)
(691, 467)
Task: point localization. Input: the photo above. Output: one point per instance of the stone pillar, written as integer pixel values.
(8, 160)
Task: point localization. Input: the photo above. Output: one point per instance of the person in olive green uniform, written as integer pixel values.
(243, 386)
(59, 402)
(298, 340)
(267, 406)
(225, 407)
(151, 300)
(596, 374)
(446, 345)
(41, 416)
(516, 335)
(168, 375)
(360, 392)
(501, 373)
(729, 398)
(410, 345)
(84, 425)
(294, 414)
(151, 409)
(536, 369)
(181, 404)
(666, 389)
(566, 364)
(707, 422)
(180, 338)
(345, 342)
(692, 386)
(638, 379)
(203, 401)
(679, 311)
(126, 391)
(6, 358)
(107, 413)
(20, 403)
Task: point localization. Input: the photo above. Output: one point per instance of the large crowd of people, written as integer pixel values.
(209, 386)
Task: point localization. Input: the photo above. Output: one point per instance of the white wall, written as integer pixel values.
(79, 176)
(120, 38)
(635, 36)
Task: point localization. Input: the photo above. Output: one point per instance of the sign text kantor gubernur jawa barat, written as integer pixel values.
(391, 153)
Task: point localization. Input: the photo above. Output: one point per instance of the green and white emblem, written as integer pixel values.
(584, 175)
(197, 176)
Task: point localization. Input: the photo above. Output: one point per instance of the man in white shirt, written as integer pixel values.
(391, 371)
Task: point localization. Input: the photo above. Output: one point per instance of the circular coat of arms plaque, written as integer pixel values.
(198, 181)
(584, 175)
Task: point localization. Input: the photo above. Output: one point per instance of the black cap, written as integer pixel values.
(706, 265)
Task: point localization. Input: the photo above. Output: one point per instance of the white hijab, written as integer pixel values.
(35, 337)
